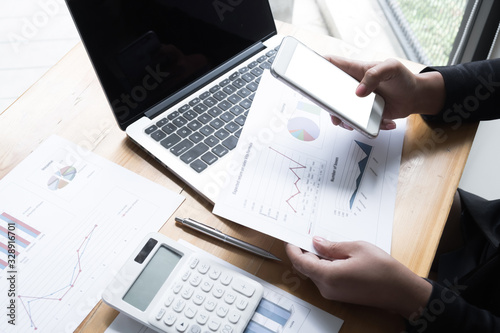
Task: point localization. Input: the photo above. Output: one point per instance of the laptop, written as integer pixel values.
(180, 75)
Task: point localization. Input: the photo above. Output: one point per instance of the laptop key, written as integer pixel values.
(194, 125)
(184, 132)
(257, 71)
(170, 141)
(207, 130)
(211, 141)
(239, 83)
(205, 118)
(224, 82)
(237, 110)
(173, 115)
(179, 121)
(215, 112)
(150, 129)
(252, 86)
(230, 142)
(227, 117)
(231, 127)
(196, 137)
(210, 101)
(224, 105)
(204, 95)
(238, 133)
(244, 92)
(234, 99)
(158, 135)
(194, 101)
(181, 147)
(161, 122)
(216, 123)
(221, 134)
(220, 150)
(198, 166)
(246, 104)
(209, 158)
(200, 108)
(190, 115)
(214, 88)
(169, 128)
(220, 95)
(183, 108)
(229, 89)
(234, 76)
(240, 120)
(194, 153)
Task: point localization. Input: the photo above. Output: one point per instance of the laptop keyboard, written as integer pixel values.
(209, 126)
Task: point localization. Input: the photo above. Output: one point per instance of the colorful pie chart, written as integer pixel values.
(61, 178)
(303, 129)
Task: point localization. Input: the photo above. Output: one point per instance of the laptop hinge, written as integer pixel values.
(186, 91)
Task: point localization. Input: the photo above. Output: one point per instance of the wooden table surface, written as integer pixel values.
(68, 101)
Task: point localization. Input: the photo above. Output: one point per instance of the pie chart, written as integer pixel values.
(61, 178)
(303, 129)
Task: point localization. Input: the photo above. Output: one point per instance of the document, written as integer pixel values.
(296, 175)
(69, 219)
(278, 311)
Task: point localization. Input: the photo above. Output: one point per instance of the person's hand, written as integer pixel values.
(361, 273)
(404, 93)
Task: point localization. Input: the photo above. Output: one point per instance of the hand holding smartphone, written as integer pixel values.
(328, 86)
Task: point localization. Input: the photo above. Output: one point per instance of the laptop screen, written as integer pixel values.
(146, 50)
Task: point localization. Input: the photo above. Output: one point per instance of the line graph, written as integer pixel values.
(60, 293)
(292, 169)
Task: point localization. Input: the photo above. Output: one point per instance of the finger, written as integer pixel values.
(333, 250)
(354, 68)
(373, 76)
(336, 121)
(304, 262)
(387, 124)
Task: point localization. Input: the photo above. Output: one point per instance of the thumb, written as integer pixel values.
(331, 250)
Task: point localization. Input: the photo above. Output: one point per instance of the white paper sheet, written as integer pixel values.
(77, 219)
(279, 312)
(296, 175)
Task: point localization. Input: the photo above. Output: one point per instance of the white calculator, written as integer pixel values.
(170, 288)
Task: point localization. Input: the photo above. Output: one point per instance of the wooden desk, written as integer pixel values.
(69, 102)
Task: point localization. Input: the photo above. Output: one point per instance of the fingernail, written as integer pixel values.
(318, 239)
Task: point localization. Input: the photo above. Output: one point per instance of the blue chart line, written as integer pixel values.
(272, 312)
(52, 296)
(367, 149)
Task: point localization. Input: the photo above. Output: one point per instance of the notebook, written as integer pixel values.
(180, 75)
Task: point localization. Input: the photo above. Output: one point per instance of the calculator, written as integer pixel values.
(171, 288)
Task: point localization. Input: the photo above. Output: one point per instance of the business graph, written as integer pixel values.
(287, 185)
(349, 191)
(24, 236)
(61, 291)
(61, 178)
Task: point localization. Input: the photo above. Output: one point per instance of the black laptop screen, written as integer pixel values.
(146, 50)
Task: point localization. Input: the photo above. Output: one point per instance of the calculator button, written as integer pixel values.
(226, 279)
(214, 273)
(218, 291)
(210, 304)
(160, 313)
(198, 299)
(227, 329)
(195, 329)
(207, 285)
(185, 276)
(202, 318)
(181, 325)
(169, 319)
(179, 305)
(243, 288)
(194, 263)
(190, 312)
(241, 304)
(213, 324)
(203, 268)
(229, 297)
(177, 287)
(169, 300)
(233, 317)
(222, 310)
(187, 293)
(195, 280)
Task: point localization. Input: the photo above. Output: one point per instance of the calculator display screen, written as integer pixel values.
(152, 277)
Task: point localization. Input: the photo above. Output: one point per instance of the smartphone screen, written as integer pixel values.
(329, 86)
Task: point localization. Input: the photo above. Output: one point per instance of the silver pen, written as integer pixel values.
(207, 230)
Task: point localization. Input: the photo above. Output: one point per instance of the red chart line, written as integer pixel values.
(292, 169)
(49, 297)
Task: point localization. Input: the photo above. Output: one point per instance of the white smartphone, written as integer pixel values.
(328, 86)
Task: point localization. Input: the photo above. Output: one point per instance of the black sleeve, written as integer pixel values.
(472, 92)
(446, 311)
